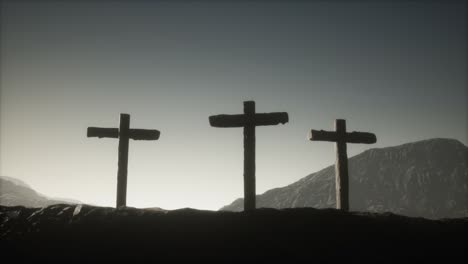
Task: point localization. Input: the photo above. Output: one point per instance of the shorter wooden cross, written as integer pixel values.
(341, 137)
(249, 120)
(123, 133)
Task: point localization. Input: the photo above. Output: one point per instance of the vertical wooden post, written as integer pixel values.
(249, 156)
(341, 167)
(123, 160)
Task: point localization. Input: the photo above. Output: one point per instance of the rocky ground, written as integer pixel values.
(86, 233)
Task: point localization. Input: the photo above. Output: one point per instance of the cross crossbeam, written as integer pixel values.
(260, 119)
(353, 137)
(135, 134)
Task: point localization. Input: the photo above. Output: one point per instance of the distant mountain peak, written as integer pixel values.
(15, 181)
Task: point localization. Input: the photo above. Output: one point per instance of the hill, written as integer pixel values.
(82, 233)
(15, 192)
(427, 178)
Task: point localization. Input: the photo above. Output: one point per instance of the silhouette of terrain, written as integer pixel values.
(65, 233)
(14, 192)
(426, 178)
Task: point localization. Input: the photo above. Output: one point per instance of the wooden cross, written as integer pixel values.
(249, 120)
(123, 133)
(341, 137)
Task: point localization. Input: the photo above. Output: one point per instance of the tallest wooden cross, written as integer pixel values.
(249, 120)
(341, 137)
(123, 133)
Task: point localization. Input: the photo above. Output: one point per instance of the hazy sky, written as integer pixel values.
(395, 69)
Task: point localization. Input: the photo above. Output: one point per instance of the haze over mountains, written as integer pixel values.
(15, 192)
(427, 178)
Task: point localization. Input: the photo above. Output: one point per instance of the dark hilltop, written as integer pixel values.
(65, 233)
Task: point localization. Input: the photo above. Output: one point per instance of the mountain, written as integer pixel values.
(14, 192)
(89, 234)
(427, 178)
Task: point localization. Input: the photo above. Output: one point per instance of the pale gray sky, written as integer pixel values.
(395, 69)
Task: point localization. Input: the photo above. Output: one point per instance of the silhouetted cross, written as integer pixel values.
(249, 120)
(123, 133)
(341, 137)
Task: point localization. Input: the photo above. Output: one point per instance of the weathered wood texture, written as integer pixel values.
(262, 119)
(123, 160)
(341, 168)
(352, 137)
(249, 159)
(249, 120)
(144, 134)
(135, 134)
(102, 132)
(341, 138)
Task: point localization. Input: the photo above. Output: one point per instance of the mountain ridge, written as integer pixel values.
(15, 192)
(413, 179)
